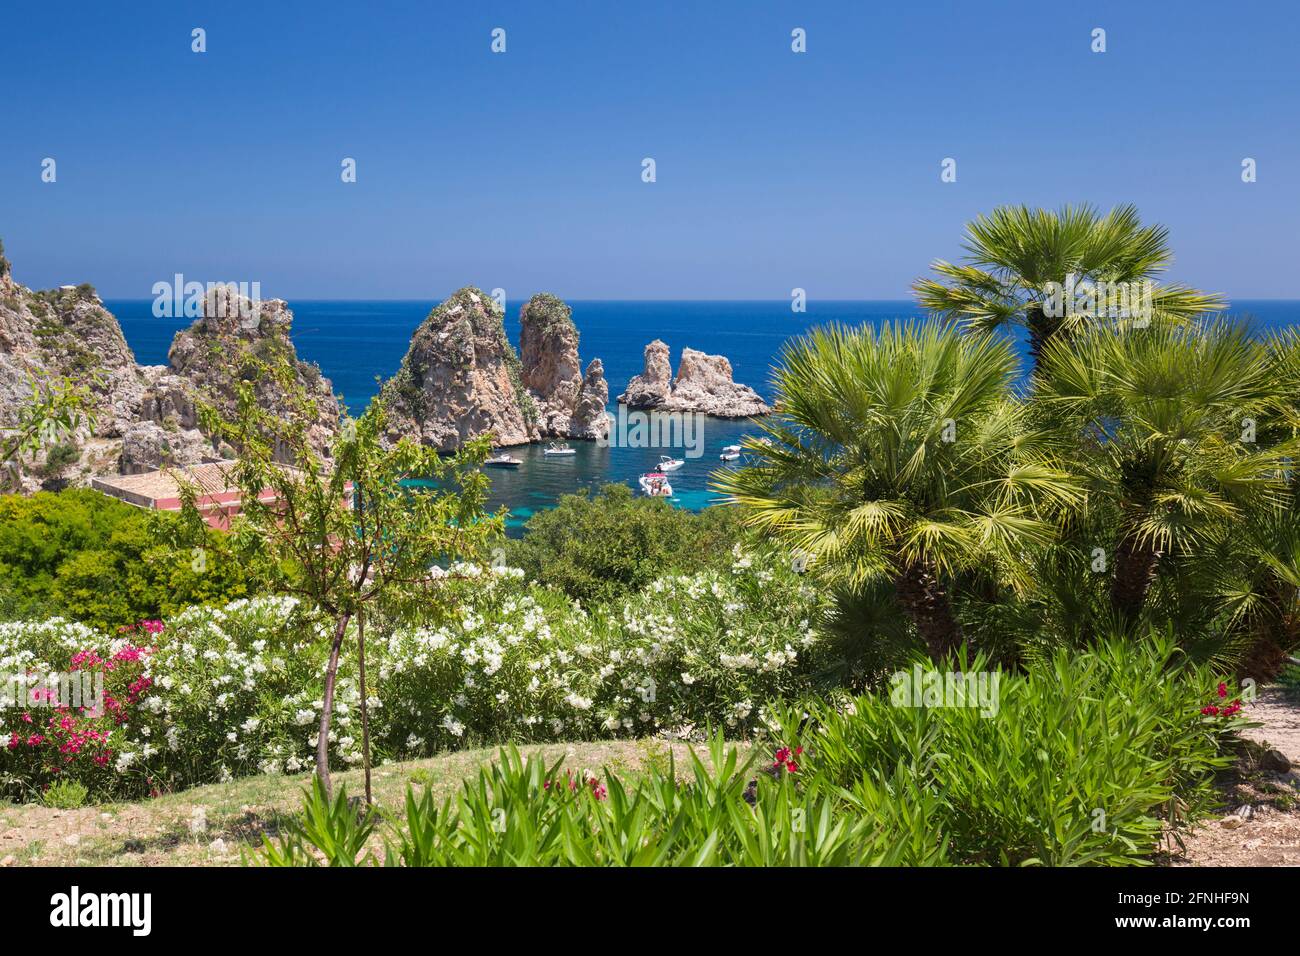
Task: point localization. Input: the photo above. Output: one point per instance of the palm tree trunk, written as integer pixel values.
(1135, 569)
(1278, 634)
(1041, 330)
(925, 601)
(327, 706)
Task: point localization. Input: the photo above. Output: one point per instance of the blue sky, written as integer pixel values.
(523, 170)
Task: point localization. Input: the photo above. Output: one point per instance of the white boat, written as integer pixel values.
(655, 484)
(730, 452)
(559, 448)
(503, 461)
(670, 464)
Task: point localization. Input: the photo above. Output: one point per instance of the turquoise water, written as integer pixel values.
(356, 342)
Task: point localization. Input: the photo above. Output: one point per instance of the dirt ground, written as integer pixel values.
(1268, 833)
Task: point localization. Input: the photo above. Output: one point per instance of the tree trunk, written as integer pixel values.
(365, 708)
(925, 601)
(327, 706)
(1135, 569)
(1042, 328)
(1277, 635)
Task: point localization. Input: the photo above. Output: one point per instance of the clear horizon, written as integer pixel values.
(522, 170)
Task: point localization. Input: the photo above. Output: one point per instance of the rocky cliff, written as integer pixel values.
(461, 378)
(569, 404)
(590, 418)
(145, 416)
(228, 344)
(703, 384)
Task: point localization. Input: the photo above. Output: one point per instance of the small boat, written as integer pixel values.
(503, 461)
(730, 453)
(655, 484)
(559, 448)
(667, 463)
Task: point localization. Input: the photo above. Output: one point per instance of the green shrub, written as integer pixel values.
(66, 795)
(82, 555)
(602, 547)
(519, 812)
(58, 458)
(1084, 760)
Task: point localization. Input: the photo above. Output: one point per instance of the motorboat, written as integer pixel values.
(559, 448)
(730, 453)
(667, 463)
(655, 484)
(503, 461)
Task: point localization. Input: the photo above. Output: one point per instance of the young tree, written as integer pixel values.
(363, 529)
(58, 409)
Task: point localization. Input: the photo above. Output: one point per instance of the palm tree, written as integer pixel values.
(1248, 587)
(1015, 251)
(1171, 428)
(1255, 571)
(899, 457)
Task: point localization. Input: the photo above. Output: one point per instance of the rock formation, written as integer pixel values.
(569, 404)
(703, 384)
(145, 416)
(461, 378)
(227, 343)
(590, 418)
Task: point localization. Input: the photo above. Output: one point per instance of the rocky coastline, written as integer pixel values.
(460, 378)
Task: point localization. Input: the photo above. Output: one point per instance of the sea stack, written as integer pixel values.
(703, 384)
(569, 404)
(231, 337)
(460, 379)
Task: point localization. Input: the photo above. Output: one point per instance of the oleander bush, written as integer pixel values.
(238, 690)
(1079, 761)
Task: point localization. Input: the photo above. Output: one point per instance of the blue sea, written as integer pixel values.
(357, 342)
